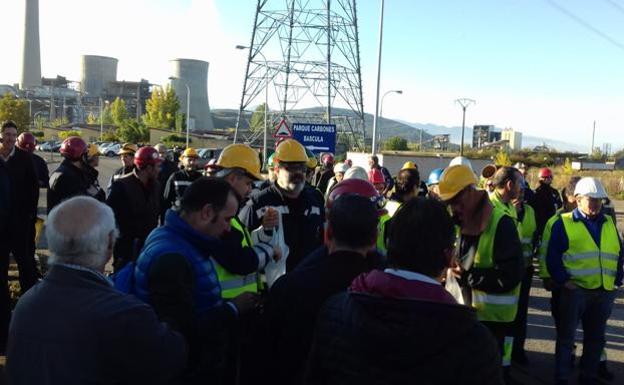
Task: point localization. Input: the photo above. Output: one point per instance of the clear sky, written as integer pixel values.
(527, 63)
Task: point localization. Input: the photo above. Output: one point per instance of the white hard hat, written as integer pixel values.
(590, 187)
(461, 161)
(340, 167)
(356, 172)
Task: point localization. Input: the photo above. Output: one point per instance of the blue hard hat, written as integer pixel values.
(434, 176)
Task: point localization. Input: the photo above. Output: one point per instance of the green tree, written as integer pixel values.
(110, 136)
(175, 140)
(132, 131)
(66, 134)
(567, 167)
(180, 122)
(396, 143)
(118, 111)
(257, 119)
(58, 122)
(161, 108)
(39, 122)
(12, 108)
(502, 159)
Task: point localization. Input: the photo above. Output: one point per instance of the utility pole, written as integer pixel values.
(374, 144)
(464, 103)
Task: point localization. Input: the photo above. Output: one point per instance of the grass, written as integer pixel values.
(613, 181)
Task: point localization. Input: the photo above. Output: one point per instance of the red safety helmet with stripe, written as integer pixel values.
(74, 148)
(146, 156)
(357, 187)
(26, 141)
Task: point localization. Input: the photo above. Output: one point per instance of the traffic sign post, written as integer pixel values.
(282, 130)
(316, 137)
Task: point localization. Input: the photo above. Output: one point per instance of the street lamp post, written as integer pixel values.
(400, 92)
(464, 103)
(188, 106)
(266, 102)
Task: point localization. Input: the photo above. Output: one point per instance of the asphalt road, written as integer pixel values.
(540, 343)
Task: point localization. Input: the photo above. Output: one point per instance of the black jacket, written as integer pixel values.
(41, 168)
(24, 191)
(121, 171)
(362, 339)
(136, 209)
(545, 201)
(93, 334)
(177, 184)
(321, 178)
(5, 196)
(303, 219)
(293, 305)
(65, 182)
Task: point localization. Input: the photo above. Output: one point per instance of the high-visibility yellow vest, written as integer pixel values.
(499, 307)
(391, 208)
(507, 208)
(591, 266)
(543, 249)
(233, 284)
(528, 228)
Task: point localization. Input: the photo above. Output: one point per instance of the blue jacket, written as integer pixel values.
(177, 237)
(558, 244)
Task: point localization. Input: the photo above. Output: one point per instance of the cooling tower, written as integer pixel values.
(95, 74)
(193, 73)
(31, 58)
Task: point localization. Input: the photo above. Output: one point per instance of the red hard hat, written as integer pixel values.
(146, 156)
(73, 148)
(356, 187)
(26, 141)
(545, 173)
(328, 159)
(376, 176)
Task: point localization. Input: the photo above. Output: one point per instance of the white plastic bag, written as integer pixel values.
(274, 270)
(452, 286)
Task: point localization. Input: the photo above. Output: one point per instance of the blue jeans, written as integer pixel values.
(592, 308)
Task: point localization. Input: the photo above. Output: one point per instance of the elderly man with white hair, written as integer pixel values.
(74, 326)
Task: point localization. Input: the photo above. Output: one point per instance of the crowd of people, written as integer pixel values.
(321, 272)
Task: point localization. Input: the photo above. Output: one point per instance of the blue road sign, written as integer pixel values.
(316, 137)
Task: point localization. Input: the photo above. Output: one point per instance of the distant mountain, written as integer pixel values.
(226, 118)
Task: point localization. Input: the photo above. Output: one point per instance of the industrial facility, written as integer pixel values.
(72, 101)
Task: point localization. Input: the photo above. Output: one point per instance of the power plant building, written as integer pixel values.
(31, 55)
(484, 134)
(513, 137)
(95, 74)
(193, 74)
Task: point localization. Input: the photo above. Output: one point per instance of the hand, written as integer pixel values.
(270, 219)
(570, 285)
(457, 271)
(277, 253)
(246, 302)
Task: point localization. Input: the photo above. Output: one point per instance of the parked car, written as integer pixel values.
(49, 146)
(205, 154)
(112, 150)
(103, 146)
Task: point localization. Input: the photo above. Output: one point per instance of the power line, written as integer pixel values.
(616, 5)
(585, 24)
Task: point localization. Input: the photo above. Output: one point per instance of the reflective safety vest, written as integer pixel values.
(391, 208)
(543, 249)
(528, 228)
(591, 266)
(499, 307)
(233, 284)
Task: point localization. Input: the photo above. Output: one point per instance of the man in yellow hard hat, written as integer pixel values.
(126, 155)
(490, 261)
(180, 180)
(301, 209)
(239, 165)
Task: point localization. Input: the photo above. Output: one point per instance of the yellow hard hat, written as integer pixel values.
(409, 165)
(92, 150)
(290, 151)
(128, 148)
(454, 179)
(190, 153)
(241, 156)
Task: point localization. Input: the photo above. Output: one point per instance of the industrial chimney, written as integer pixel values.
(31, 64)
(194, 74)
